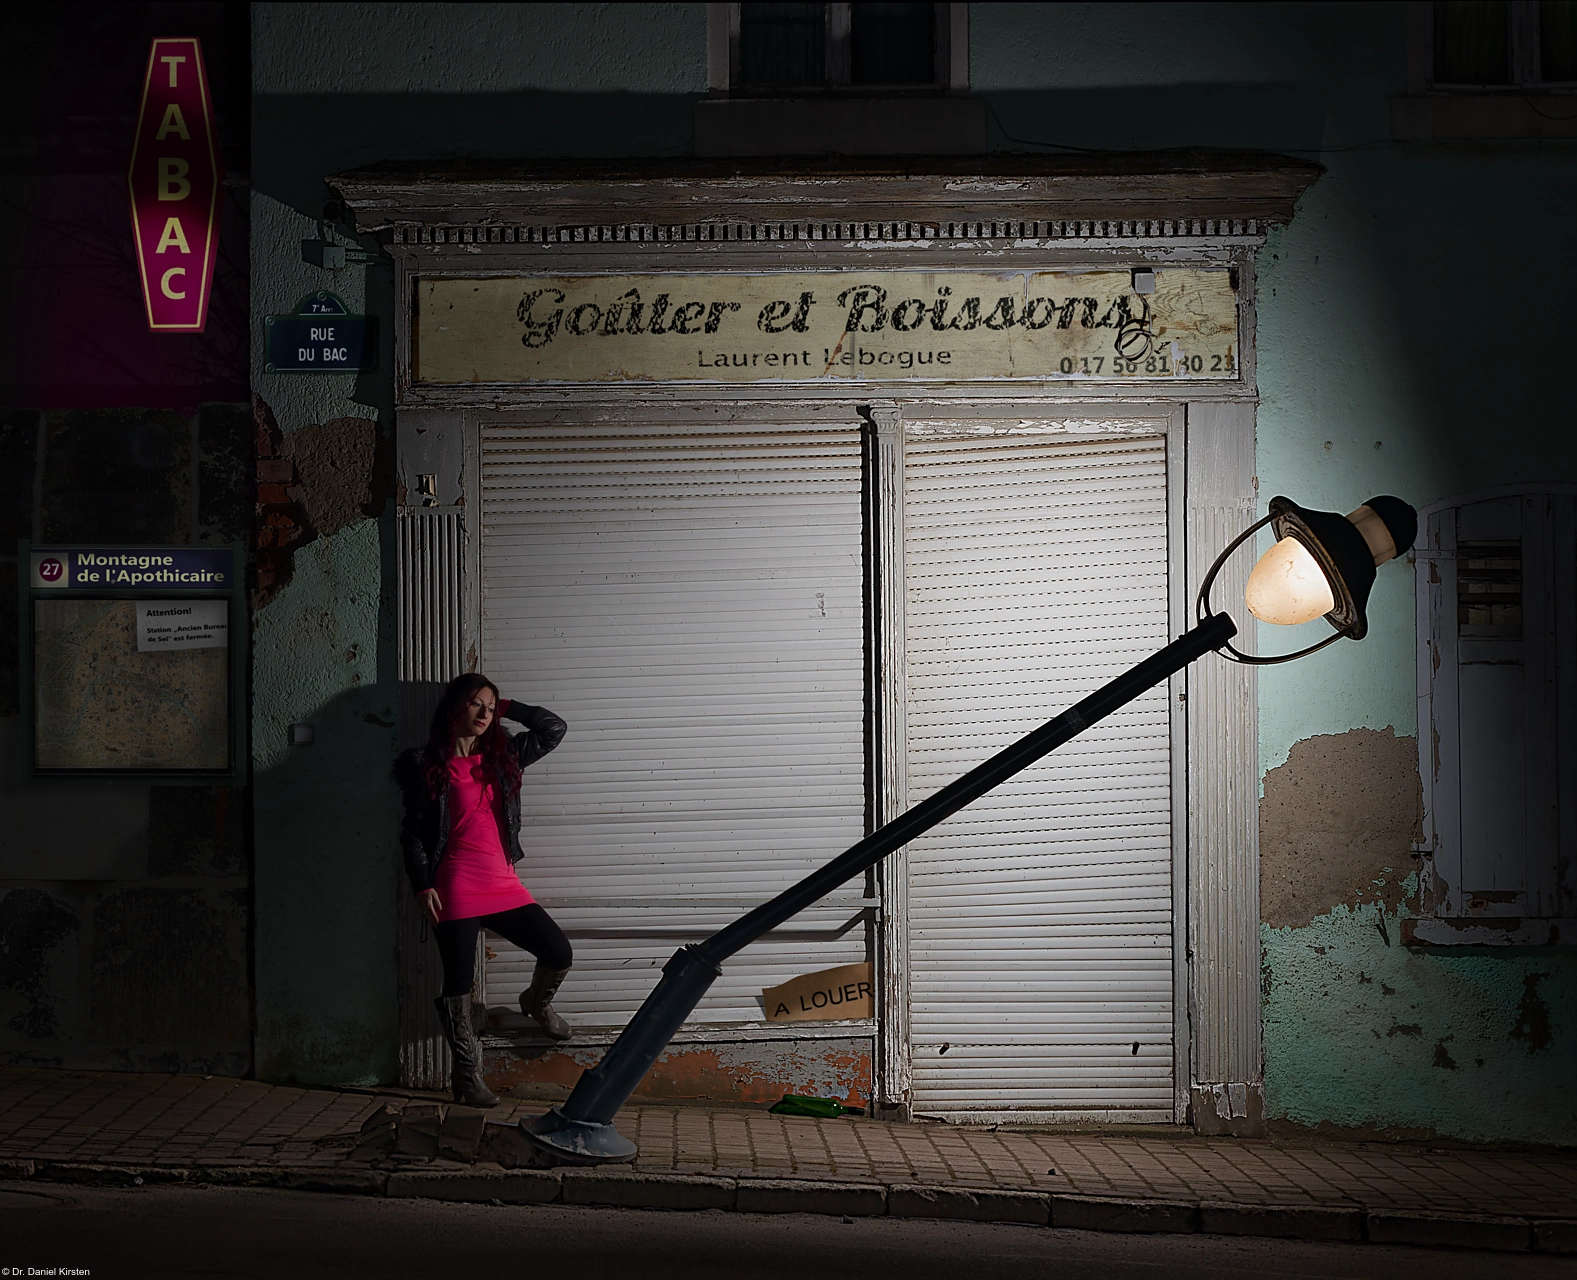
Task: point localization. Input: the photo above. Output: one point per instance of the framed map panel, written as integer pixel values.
(131, 664)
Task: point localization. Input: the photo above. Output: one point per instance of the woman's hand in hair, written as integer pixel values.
(431, 903)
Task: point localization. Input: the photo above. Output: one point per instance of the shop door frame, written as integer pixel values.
(894, 421)
(1224, 1071)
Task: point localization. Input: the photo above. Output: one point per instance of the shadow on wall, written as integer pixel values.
(1365, 1036)
(326, 867)
(1264, 117)
(139, 966)
(124, 910)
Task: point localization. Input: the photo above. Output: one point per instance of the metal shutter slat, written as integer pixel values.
(690, 600)
(1041, 916)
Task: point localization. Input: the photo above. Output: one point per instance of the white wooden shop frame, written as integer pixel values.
(522, 224)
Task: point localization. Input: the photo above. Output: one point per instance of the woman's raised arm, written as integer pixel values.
(544, 730)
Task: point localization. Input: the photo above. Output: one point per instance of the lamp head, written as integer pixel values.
(1324, 563)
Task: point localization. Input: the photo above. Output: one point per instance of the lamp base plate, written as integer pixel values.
(579, 1142)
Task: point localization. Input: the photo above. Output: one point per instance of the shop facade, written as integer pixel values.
(769, 603)
(782, 591)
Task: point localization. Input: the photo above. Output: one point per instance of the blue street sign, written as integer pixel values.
(322, 337)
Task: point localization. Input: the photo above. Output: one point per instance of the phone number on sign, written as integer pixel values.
(1163, 365)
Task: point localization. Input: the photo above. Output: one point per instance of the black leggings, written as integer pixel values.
(530, 927)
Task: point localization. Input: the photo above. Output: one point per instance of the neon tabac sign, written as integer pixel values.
(174, 182)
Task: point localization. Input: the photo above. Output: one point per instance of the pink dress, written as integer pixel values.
(475, 877)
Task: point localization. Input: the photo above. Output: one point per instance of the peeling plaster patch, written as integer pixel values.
(312, 483)
(1337, 824)
(1533, 1015)
(1450, 1069)
(32, 925)
(758, 1073)
(342, 474)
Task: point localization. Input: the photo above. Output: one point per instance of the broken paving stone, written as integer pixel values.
(461, 1133)
(374, 1145)
(384, 1115)
(417, 1130)
(507, 1145)
(379, 1133)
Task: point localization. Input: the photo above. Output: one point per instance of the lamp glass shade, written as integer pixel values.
(1288, 586)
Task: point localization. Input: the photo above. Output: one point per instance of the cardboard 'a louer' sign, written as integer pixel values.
(843, 992)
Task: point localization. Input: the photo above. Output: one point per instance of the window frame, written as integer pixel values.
(723, 58)
(1526, 55)
(1549, 741)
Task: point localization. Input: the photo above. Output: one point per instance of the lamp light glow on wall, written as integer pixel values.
(1322, 564)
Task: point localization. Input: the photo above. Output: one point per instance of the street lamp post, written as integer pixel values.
(1322, 564)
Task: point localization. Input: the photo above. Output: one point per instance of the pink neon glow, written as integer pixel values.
(174, 183)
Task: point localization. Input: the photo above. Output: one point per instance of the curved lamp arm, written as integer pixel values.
(1229, 650)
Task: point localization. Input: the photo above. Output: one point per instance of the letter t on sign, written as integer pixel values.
(174, 181)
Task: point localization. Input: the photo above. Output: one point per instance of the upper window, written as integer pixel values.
(830, 47)
(1492, 44)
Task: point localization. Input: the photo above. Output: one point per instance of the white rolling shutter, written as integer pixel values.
(1041, 916)
(690, 601)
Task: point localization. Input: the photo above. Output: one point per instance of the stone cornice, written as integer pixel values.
(1173, 195)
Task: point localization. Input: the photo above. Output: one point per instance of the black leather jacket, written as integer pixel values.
(425, 831)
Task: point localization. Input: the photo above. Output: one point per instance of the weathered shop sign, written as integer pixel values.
(881, 325)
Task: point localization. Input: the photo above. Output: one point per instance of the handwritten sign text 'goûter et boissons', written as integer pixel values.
(798, 327)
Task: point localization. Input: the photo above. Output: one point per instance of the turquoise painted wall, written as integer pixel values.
(1403, 348)
(1363, 1033)
(1386, 364)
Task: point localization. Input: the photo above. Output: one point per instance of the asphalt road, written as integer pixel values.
(179, 1232)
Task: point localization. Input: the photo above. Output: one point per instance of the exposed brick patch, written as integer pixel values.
(281, 526)
(312, 483)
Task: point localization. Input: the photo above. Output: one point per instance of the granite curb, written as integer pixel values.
(624, 1187)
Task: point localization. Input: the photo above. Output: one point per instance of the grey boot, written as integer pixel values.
(454, 1016)
(536, 1002)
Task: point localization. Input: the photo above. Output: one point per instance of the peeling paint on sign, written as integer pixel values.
(798, 327)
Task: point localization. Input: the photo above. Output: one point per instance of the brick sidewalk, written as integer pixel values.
(181, 1127)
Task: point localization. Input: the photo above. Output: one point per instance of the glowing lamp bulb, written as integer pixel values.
(1288, 586)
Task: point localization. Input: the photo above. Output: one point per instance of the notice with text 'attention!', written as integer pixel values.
(182, 624)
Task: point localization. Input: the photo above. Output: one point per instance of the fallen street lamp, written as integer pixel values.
(1322, 564)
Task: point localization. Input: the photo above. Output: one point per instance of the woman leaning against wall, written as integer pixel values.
(461, 839)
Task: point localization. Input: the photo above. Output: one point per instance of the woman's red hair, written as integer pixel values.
(450, 720)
